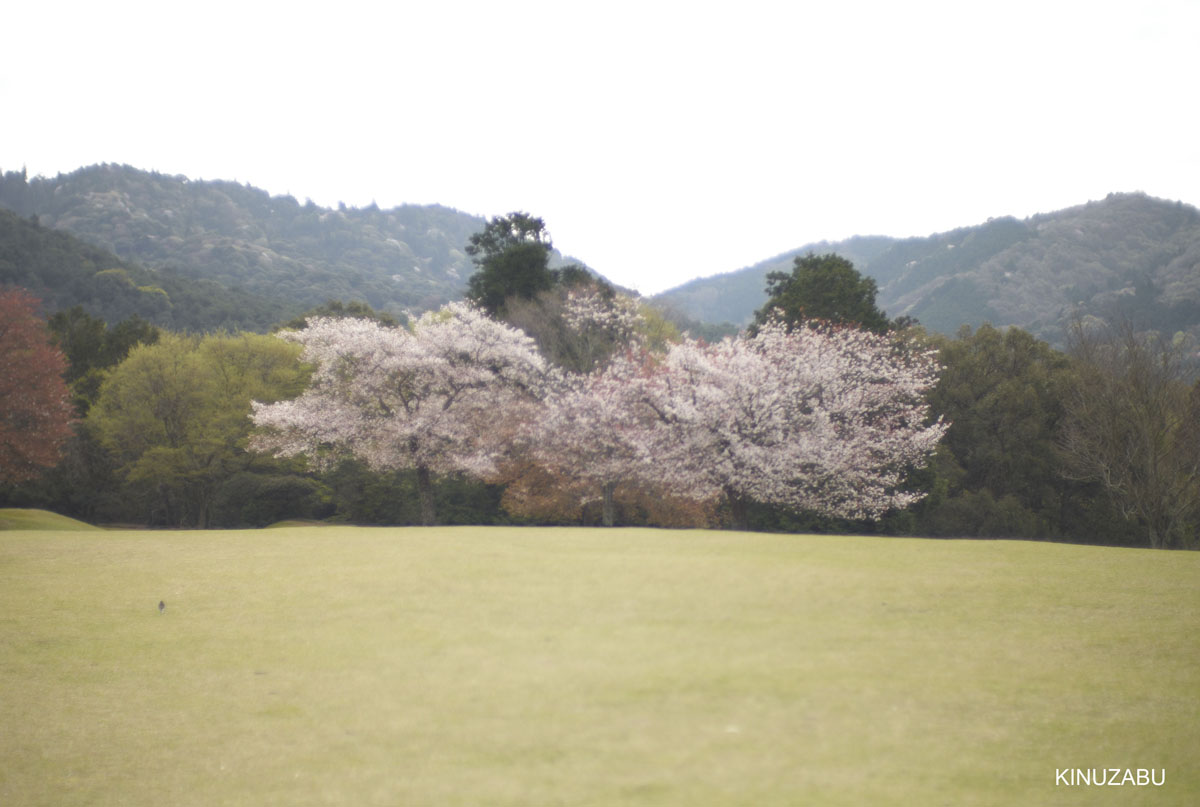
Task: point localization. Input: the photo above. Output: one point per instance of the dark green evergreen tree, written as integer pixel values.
(998, 472)
(512, 254)
(91, 348)
(826, 288)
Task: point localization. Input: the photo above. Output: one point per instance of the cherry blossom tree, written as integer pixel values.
(602, 324)
(578, 327)
(440, 398)
(815, 418)
(590, 433)
(594, 429)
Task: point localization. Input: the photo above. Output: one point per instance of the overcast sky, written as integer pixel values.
(660, 141)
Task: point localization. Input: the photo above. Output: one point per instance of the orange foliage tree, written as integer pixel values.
(35, 405)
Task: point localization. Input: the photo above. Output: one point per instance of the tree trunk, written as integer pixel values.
(168, 509)
(425, 496)
(739, 511)
(204, 494)
(609, 515)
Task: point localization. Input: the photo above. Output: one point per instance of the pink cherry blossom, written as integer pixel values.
(824, 419)
(431, 398)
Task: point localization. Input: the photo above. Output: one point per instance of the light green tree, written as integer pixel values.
(175, 415)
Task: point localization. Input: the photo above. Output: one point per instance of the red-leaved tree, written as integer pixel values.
(35, 405)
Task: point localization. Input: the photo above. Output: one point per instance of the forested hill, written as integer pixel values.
(230, 255)
(1128, 255)
(297, 255)
(63, 271)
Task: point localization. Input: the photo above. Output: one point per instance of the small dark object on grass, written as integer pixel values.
(162, 606)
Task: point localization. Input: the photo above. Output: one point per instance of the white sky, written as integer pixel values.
(660, 141)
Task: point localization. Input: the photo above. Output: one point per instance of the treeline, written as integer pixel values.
(1098, 444)
(167, 446)
(161, 425)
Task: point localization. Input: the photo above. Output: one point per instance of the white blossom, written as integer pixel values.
(820, 419)
(616, 316)
(596, 427)
(825, 419)
(426, 398)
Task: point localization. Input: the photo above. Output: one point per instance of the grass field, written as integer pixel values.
(15, 518)
(498, 666)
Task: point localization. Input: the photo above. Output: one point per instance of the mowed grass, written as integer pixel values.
(17, 518)
(505, 666)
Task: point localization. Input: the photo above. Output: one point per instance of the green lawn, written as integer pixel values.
(497, 666)
(16, 518)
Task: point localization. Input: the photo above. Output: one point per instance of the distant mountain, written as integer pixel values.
(1129, 255)
(263, 258)
(408, 258)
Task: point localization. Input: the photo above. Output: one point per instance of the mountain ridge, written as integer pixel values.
(1129, 255)
(409, 258)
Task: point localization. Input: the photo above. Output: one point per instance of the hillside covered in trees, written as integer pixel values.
(63, 271)
(408, 258)
(1128, 256)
